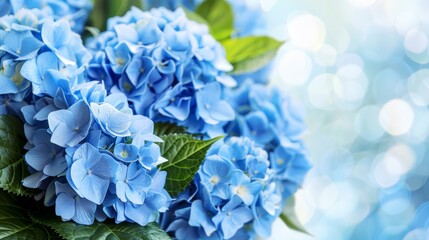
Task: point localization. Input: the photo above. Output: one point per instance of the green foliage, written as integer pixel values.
(15, 222)
(120, 7)
(219, 17)
(249, 54)
(194, 16)
(185, 155)
(167, 128)
(289, 217)
(12, 165)
(104, 9)
(111, 231)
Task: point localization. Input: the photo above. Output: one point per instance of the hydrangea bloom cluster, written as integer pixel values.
(92, 157)
(75, 11)
(233, 196)
(171, 69)
(269, 118)
(244, 25)
(36, 53)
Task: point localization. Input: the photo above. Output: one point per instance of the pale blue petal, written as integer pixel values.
(222, 111)
(65, 206)
(105, 167)
(199, 218)
(241, 215)
(94, 188)
(85, 212)
(140, 214)
(134, 196)
(56, 167)
(34, 180)
(38, 157)
(126, 33)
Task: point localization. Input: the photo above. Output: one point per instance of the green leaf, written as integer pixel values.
(185, 155)
(120, 7)
(167, 128)
(289, 217)
(111, 231)
(104, 9)
(12, 166)
(219, 16)
(249, 54)
(15, 223)
(194, 16)
(98, 15)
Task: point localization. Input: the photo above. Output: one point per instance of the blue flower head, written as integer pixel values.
(92, 157)
(71, 126)
(91, 173)
(234, 184)
(165, 65)
(249, 20)
(69, 205)
(74, 11)
(269, 118)
(37, 56)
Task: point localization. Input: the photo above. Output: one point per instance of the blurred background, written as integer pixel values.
(360, 70)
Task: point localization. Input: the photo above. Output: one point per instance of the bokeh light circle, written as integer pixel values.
(416, 41)
(306, 31)
(416, 45)
(418, 87)
(396, 117)
(326, 55)
(294, 67)
(351, 84)
(321, 91)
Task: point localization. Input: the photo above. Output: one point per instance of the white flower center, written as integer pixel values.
(214, 180)
(241, 190)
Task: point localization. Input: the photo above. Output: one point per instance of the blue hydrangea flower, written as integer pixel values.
(74, 11)
(269, 118)
(154, 197)
(46, 157)
(77, 208)
(90, 155)
(33, 61)
(69, 127)
(165, 65)
(227, 195)
(131, 181)
(249, 20)
(77, 134)
(91, 173)
(11, 104)
(232, 217)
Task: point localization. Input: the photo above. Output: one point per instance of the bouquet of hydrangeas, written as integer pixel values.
(160, 126)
